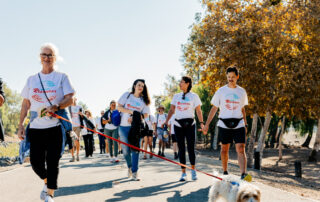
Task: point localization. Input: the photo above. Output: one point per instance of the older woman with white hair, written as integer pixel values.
(45, 93)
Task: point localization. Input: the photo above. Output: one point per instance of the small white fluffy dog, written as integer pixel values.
(234, 190)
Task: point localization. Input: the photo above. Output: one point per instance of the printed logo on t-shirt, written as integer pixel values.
(129, 106)
(48, 85)
(184, 105)
(232, 101)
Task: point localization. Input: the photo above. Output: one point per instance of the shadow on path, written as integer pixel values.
(199, 196)
(86, 188)
(146, 191)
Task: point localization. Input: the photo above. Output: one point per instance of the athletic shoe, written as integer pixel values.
(225, 173)
(135, 177)
(78, 159)
(116, 160)
(246, 177)
(183, 177)
(129, 172)
(49, 199)
(159, 153)
(194, 175)
(112, 160)
(71, 160)
(43, 192)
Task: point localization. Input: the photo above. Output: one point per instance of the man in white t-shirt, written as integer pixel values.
(231, 100)
(76, 122)
(161, 130)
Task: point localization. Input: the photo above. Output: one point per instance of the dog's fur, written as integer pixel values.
(244, 192)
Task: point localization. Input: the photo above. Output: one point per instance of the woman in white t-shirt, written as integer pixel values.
(137, 100)
(183, 106)
(88, 134)
(45, 132)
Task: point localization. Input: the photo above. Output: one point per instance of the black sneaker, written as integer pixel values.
(163, 155)
(225, 173)
(159, 153)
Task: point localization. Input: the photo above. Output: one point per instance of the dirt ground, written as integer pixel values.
(281, 174)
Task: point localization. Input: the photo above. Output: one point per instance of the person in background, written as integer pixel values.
(183, 105)
(87, 133)
(45, 93)
(161, 130)
(2, 100)
(137, 100)
(100, 127)
(112, 131)
(147, 140)
(76, 122)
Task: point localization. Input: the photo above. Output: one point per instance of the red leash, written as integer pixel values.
(136, 148)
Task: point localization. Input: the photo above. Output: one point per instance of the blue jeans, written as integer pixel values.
(131, 156)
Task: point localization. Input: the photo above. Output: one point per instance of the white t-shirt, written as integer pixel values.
(185, 108)
(171, 123)
(75, 115)
(150, 120)
(93, 122)
(132, 103)
(161, 119)
(56, 85)
(98, 123)
(110, 126)
(230, 101)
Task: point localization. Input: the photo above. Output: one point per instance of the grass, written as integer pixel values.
(12, 150)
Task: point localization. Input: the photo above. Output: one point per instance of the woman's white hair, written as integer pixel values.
(54, 49)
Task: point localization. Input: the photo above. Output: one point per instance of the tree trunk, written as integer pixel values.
(307, 141)
(316, 146)
(252, 140)
(263, 135)
(280, 138)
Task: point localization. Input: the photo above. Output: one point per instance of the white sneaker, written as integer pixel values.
(135, 177)
(129, 172)
(49, 199)
(116, 160)
(112, 160)
(43, 192)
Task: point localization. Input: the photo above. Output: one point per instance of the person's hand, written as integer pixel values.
(109, 120)
(130, 120)
(21, 134)
(205, 129)
(201, 126)
(51, 110)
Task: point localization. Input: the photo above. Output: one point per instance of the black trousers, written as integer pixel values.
(88, 144)
(69, 141)
(183, 134)
(102, 142)
(45, 153)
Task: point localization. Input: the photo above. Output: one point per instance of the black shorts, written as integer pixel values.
(227, 136)
(174, 138)
(149, 133)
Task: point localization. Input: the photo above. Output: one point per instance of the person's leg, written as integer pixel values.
(123, 133)
(53, 156)
(115, 135)
(100, 143)
(240, 140)
(150, 138)
(78, 131)
(225, 156)
(181, 145)
(135, 160)
(145, 146)
(154, 139)
(103, 142)
(86, 144)
(37, 152)
(91, 144)
(191, 140)
(110, 142)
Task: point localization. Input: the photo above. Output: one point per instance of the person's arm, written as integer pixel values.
(23, 114)
(124, 110)
(244, 118)
(66, 102)
(200, 117)
(170, 113)
(212, 113)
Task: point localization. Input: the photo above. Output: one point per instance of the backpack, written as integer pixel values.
(115, 118)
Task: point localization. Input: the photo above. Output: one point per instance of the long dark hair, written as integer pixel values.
(187, 79)
(145, 94)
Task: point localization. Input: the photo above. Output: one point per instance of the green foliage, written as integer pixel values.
(10, 111)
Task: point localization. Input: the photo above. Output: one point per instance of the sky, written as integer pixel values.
(105, 44)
